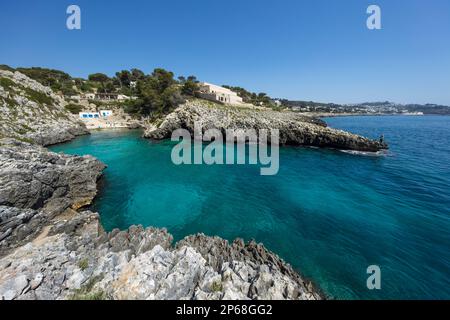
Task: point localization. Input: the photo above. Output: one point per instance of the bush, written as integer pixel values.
(83, 264)
(68, 90)
(86, 292)
(48, 77)
(6, 67)
(74, 108)
(6, 83)
(38, 97)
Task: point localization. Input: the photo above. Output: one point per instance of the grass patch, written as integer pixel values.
(86, 291)
(83, 264)
(11, 103)
(38, 97)
(23, 139)
(217, 286)
(24, 129)
(97, 103)
(74, 108)
(99, 295)
(6, 83)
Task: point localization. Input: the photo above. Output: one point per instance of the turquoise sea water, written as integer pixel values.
(328, 213)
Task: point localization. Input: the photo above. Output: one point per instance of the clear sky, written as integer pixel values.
(301, 49)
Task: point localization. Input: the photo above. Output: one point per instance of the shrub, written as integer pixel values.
(48, 77)
(74, 108)
(6, 83)
(217, 286)
(83, 264)
(6, 67)
(86, 292)
(38, 97)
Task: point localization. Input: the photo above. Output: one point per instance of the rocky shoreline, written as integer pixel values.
(49, 250)
(294, 129)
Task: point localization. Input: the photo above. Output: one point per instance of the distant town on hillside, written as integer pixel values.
(385, 107)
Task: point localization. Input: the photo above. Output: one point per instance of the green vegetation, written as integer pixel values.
(38, 97)
(97, 295)
(24, 129)
(102, 82)
(11, 103)
(6, 67)
(23, 139)
(86, 291)
(6, 83)
(55, 79)
(154, 95)
(189, 86)
(83, 264)
(157, 94)
(217, 286)
(257, 99)
(74, 108)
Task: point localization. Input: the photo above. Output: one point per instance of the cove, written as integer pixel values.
(328, 213)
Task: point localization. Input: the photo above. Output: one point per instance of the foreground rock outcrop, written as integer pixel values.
(49, 250)
(43, 183)
(31, 112)
(76, 259)
(294, 129)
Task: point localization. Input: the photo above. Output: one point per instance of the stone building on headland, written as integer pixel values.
(220, 94)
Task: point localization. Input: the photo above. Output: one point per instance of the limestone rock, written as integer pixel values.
(33, 112)
(294, 129)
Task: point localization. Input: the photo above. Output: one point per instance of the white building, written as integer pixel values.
(106, 113)
(88, 96)
(220, 94)
(105, 96)
(89, 115)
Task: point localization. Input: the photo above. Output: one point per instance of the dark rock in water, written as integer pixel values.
(294, 129)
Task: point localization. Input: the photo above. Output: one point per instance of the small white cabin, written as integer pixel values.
(106, 113)
(89, 115)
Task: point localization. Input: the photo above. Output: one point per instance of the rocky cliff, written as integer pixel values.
(294, 129)
(31, 112)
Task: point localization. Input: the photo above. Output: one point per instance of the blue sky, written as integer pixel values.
(301, 49)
